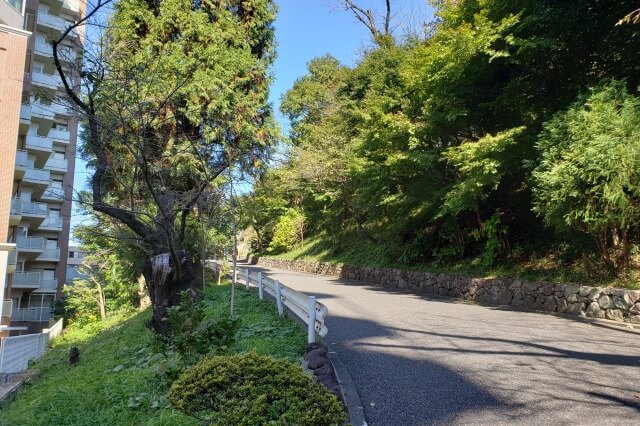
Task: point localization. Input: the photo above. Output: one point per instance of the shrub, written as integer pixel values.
(588, 178)
(252, 389)
(288, 232)
(193, 336)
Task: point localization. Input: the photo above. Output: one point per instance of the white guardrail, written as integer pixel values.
(307, 308)
(17, 351)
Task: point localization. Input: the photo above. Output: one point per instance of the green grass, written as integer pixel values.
(355, 251)
(116, 381)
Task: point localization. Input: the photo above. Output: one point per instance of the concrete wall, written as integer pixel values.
(598, 302)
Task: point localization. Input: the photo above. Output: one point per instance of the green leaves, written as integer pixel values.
(588, 178)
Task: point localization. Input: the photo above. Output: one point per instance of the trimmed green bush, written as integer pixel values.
(253, 390)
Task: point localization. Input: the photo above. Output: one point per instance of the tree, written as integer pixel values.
(589, 175)
(172, 94)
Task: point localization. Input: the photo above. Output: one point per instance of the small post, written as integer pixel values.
(279, 298)
(311, 326)
(246, 278)
(260, 290)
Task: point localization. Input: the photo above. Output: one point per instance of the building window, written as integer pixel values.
(16, 4)
(71, 255)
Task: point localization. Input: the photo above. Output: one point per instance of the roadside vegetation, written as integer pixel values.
(126, 371)
(505, 139)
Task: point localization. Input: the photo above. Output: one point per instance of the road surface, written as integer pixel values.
(417, 360)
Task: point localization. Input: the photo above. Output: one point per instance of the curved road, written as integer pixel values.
(417, 360)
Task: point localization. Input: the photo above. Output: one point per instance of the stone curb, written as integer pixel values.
(349, 392)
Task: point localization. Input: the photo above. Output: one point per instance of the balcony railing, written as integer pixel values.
(39, 142)
(71, 5)
(39, 110)
(26, 280)
(31, 314)
(28, 208)
(51, 21)
(57, 164)
(7, 306)
(31, 243)
(59, 135)
(50, 254)
(44, 48)
(22, 158)
(53, 193)
(52, 223)
(38, 176)
(25, 112)
(12, 259)
(49, 81)
(48, 285)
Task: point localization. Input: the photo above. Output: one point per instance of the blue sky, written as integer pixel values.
(306, 29)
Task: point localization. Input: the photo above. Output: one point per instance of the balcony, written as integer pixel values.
(39, 146)
(51, 224)
(7, 306)
(51, 24)
(49, 82)
(25, 114)
(49, 254)
(36, 212)
(72, 6)
(43, 115)
(12, 261)
(57, 165)
(26, 280)
(31, 314)
(25, 244)
(22, 163)
(48, 286)
(60, 109)
(53, 193)
(38, 178)
(44, 50)
(59, 136)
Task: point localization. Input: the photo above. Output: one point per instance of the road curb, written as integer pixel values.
(349, 392)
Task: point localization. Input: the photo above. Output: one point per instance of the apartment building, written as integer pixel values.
(13, 48)
(42, 174)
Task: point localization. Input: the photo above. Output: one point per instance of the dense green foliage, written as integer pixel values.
(194, 334)
(426, 149)
(254, 390)
(122, 375)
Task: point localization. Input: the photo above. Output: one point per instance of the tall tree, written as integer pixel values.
(172, 94)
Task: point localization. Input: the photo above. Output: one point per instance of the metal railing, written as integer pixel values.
(51, 223)
(38, 142)
(52, 254)
(30, 243)
(31, 314)
(19, 206)
(307, 308)
(26, 280)
(56, 164)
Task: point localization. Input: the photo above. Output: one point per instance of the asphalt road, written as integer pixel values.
(417, 360)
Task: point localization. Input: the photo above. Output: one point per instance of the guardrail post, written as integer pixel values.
(311, 325)
(279, 298)
(246, 278)
(260, 289)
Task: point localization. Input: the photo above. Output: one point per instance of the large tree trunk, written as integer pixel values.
(165, 286)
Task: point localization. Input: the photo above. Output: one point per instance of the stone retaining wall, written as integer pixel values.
(610, 303)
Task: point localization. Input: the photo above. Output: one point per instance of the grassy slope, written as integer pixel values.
(368, 254)
(93, 394)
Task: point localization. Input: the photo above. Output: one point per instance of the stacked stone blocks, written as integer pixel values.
(598, 302)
